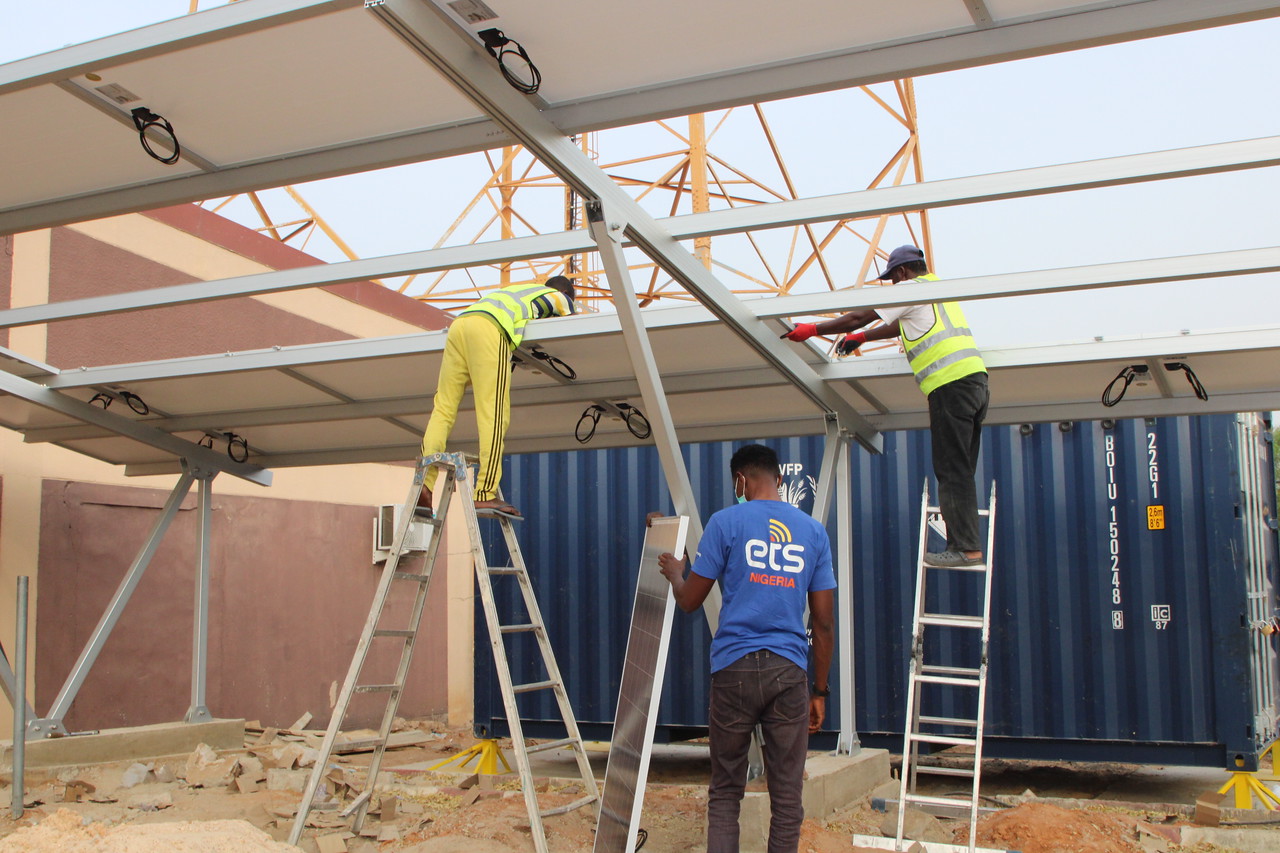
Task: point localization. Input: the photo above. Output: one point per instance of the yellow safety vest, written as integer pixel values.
(513, 307)
(947, 351)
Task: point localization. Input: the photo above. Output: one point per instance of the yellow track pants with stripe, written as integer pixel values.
(477, 353)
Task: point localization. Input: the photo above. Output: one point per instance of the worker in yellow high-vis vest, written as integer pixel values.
(477, 352)
(951, 374)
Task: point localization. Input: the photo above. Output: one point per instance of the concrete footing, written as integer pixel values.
(832, 782)
(128, 744)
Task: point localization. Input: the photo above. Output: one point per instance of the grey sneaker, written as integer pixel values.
(951, 560)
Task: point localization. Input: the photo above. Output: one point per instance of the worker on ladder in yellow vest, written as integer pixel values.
(477, 352)
(950, 371)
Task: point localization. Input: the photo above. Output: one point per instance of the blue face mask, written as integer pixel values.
(742, 498)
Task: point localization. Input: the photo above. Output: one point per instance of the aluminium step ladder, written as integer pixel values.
(965, 686)
(457, 480)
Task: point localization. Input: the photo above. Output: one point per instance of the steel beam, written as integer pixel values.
(462, 61)
(1091, 174)
(52, 725)
(198, 711)
(608, 240)
(831, 450)
(1123, 274)
(50, 399)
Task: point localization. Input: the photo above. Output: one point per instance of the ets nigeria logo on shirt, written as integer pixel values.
(779, 555)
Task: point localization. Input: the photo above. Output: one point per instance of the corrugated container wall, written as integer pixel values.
(1133, 590)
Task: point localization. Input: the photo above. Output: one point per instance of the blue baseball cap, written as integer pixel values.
(898, 257)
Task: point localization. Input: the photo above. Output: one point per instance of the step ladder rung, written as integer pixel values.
(947, 620)
(519, 629)
(357, 802)
(411, 576)
(945, 802)
(950, 721)
(938, 669)
(503, 570)
(941, 740)
(948, 679)
(934, 510)
(394, 632)
(534, 685)
(978, 568)
(936, 770)
(377, 688)
(551, 744)
(568, 807)
(424, 517)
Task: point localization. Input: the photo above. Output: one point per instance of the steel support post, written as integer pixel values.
(832, 447)
(51, 724)
(848, 743)
(463, 62)
(20, 706)
(198, 712)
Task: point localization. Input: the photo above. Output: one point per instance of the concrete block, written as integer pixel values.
(287, 780)
(139, 742)
(753, 823)
(1222, 838)
(835, 782)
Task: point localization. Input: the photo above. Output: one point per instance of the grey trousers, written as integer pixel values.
(765, 688)
(956, 413)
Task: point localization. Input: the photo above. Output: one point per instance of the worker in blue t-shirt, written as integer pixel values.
(771, 560)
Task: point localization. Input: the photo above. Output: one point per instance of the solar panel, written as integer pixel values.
(639, 692)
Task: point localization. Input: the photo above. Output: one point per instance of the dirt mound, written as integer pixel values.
(1045, 828)
(66, 832)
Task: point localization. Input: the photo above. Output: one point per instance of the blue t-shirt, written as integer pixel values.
(768, 556)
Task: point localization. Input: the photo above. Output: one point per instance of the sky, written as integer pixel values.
(1192, 89)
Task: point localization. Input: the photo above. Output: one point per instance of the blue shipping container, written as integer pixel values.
(1133, 599)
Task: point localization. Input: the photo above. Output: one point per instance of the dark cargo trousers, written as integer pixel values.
(765, 688)
(956, 413)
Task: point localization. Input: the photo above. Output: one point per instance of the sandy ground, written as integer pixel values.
(247, 802)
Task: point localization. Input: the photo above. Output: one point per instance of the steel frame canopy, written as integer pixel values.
(414, 83)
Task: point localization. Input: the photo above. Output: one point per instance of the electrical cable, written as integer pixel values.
(104, 399)
(1126, 375)
(630, 412)
(135, 402)
(556, 364)
(237, 447)
(591, 413)
(144, 120)
(1191, 377)
(207, 441)
(505, 50)
(642, 835)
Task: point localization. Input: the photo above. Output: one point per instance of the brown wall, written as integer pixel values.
(291, 583)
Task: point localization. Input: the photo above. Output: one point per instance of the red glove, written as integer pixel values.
(851, 342)
(802, 332)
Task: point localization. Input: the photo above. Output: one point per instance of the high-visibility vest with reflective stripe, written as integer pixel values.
(513, 307)
(947, 351)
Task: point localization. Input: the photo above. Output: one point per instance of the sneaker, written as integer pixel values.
(951, 560)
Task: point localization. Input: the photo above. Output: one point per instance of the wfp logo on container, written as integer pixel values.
(796, 486)
(779, 554)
